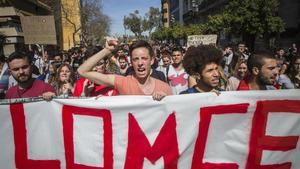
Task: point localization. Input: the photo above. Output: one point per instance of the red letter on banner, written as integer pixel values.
(20, 138)
(68, 112)
(258, 139)
(205, 116)
(139, 147)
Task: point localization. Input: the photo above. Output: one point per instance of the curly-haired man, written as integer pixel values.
(203, 63)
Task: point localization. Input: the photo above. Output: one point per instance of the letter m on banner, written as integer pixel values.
(165, 145)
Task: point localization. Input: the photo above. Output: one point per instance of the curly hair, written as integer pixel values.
(196, 58)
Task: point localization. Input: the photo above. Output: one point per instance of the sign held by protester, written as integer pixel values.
(235, 130)
(196, 40)
(39, 30)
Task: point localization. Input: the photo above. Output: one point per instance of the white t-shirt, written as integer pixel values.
(178, 81)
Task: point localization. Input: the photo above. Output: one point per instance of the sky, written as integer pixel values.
(117, 9)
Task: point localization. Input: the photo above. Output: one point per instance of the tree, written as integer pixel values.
(68, 14)
(195, 29)
(134, 23)
(95, 24)
(249, 18)
(152, 19)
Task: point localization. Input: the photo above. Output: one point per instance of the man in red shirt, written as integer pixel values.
(20, 67)
(263, 71)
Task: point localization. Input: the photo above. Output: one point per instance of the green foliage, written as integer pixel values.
(252, 17)
(134, 23)
(195, 29)
(178, 32)
(138, 24)
(152, 19)
(95, 24)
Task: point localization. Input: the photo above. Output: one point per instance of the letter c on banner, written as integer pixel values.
(206, 115)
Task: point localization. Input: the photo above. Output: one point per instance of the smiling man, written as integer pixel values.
(263, 72)
(203, 63)
(140, 83)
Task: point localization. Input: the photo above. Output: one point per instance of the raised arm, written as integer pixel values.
(85, 70)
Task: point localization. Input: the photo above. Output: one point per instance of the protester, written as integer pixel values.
(76, 59)
(20, 67)
(140, 83)
(242, 49)
(176, 74)
(64, 80)
(294, 72)
(50, 74)
(123, 64)
(86, 88)
(239, 73)
(166, 62)
(229, 57)
(4, 75)
(282, 80)
(263, 71)
(203, 63)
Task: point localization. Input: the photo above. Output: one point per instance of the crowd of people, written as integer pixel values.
(144, 68)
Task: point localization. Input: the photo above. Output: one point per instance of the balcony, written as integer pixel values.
(10, 32)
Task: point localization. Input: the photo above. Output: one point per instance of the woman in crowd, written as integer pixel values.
(64, 80)
(283, 81)
(239, 72)
(50, 75)
(294, 72)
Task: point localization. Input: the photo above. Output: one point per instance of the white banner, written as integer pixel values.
(196, 40)
(235, 130)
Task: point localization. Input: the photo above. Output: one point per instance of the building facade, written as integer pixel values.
(166, 17)
(10, 23)
(197, 11)
(68, 23)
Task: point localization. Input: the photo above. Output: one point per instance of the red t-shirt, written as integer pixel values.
(37, 89)
(98, 89)
(244, 85)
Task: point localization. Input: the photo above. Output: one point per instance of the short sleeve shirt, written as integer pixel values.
(129, 86)
(37, 89)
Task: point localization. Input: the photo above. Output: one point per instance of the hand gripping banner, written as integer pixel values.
(235, 130)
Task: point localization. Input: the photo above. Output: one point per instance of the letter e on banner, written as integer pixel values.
(69, 119)
(205, 120)
(20, 138)
(259, 141)
(165, 145)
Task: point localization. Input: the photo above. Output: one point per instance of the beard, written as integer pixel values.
(264, 80)
(23, 78)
